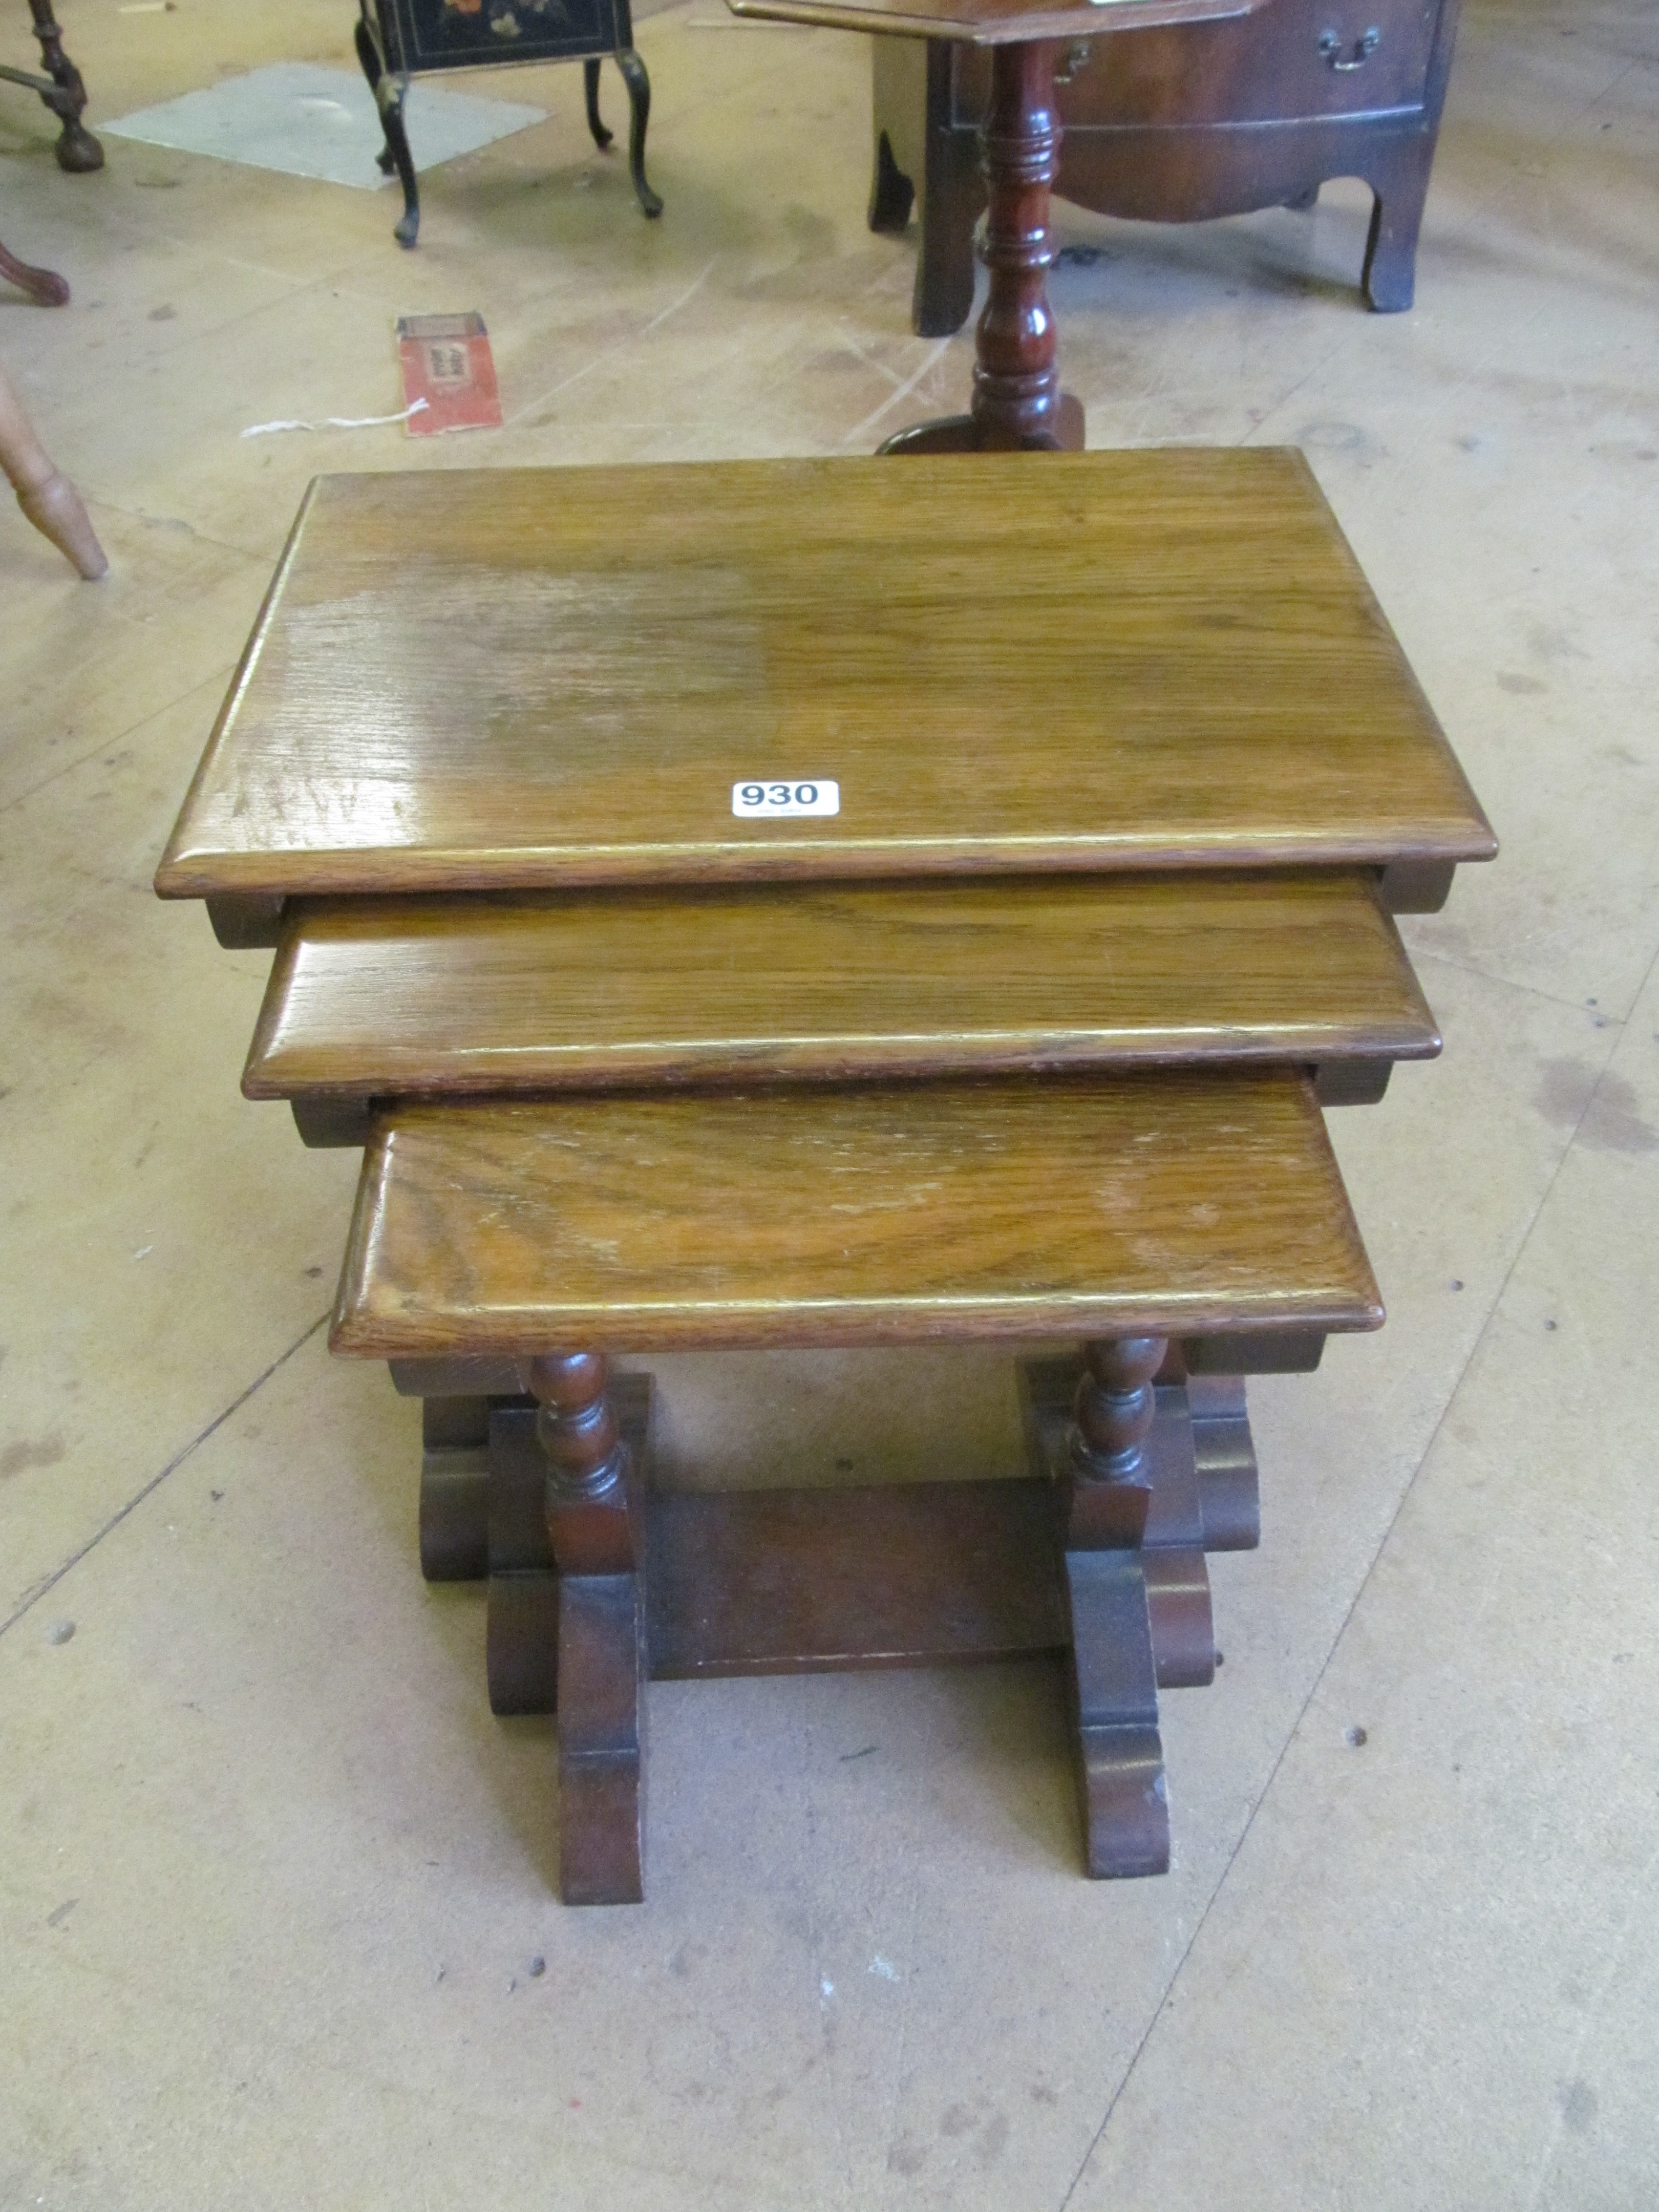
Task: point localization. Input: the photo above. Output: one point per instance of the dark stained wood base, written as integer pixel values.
(601, 1740)
(807, 1580)
(969, 434)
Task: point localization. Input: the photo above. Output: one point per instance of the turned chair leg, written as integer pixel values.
(77, 150)
(46, 496)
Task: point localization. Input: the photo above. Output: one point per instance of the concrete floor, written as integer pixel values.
(271, 1878)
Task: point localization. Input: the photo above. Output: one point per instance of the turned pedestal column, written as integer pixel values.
(1018, 402)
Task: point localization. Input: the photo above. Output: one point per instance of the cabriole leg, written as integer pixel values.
(639, 102)
(591, 94)
(388, 89)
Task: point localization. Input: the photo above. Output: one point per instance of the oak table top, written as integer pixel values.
(990, 22)
(1168, 1204)
(828, 982)
(523, 679)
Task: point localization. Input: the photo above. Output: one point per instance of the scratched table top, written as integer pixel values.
(991, 23)
(1004, 663)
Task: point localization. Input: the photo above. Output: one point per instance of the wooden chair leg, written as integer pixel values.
(43, 286)
(594, 1519)
(77, 150)
(46, 497)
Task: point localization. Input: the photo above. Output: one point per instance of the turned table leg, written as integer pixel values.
(77, 150)
(1107, 1490)
(1018, 402)
(593, 1521)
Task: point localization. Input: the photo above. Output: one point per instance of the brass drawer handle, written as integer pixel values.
(1331, 46)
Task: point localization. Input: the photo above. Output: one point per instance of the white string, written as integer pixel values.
(337, 422)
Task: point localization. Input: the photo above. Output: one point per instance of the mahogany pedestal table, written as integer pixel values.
(821, 904)
(1017, 399)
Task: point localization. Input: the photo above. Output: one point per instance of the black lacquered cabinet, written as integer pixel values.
(397, 39)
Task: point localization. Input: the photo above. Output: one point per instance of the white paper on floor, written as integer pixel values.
(311, 122)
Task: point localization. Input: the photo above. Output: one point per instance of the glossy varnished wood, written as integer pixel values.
(1165, 1204)
(519, 679)
(795, 1581)
(989, 22)
(911, 1574)
(817, 981)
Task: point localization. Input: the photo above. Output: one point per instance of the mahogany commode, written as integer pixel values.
(1026, 1042)
(1016, 398)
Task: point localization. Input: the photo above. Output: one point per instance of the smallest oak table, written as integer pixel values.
(1012, 1022)
(1017, 401)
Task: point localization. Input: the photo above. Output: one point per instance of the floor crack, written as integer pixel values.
(50, 1582)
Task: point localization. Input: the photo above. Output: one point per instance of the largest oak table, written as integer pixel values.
(823, 903)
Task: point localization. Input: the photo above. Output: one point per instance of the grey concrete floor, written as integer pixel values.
(271, 1878)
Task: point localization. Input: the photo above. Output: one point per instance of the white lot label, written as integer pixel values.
(770, 798)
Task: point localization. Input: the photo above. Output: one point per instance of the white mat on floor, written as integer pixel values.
(311, 122)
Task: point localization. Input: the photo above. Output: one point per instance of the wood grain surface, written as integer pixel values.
(990, 22)
(525, 678)
(1167, 1204)
(372, 997)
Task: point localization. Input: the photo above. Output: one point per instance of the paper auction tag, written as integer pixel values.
(773, 798)
(447, 362)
